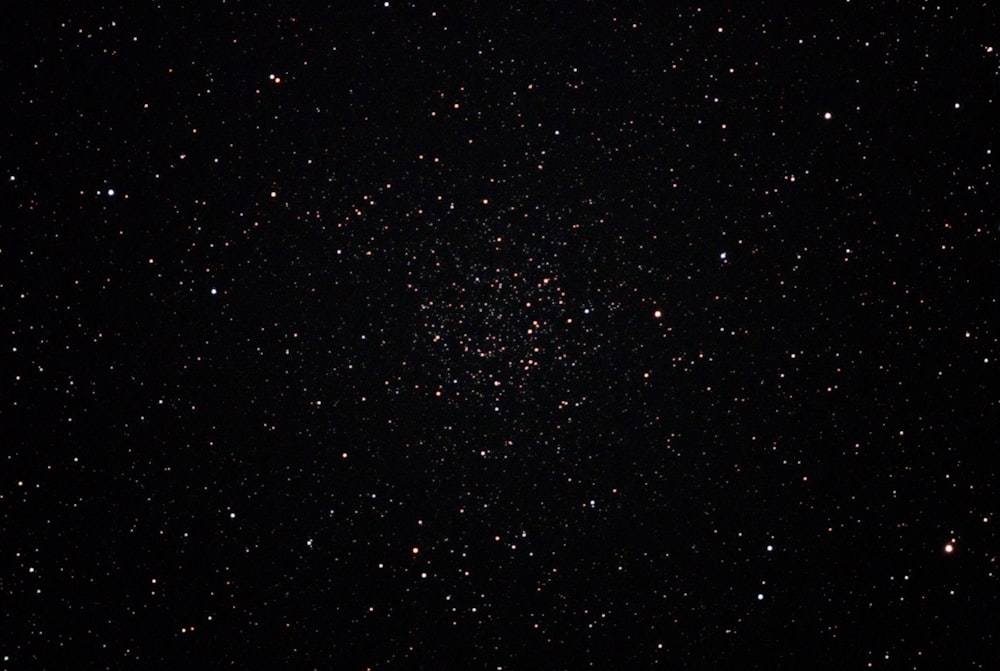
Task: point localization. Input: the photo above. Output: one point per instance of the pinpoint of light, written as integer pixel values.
(415, 551)
(828, 116)
(949, 548)
(657, 314)
(111, 192)
(760, 597)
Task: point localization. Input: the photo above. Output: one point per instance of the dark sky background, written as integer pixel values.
(499, 335)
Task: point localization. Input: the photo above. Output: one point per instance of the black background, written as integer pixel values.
(588, 302)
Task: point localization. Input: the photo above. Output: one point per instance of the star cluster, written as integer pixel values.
(594, 335)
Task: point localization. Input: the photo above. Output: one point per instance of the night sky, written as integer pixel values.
(496, 336)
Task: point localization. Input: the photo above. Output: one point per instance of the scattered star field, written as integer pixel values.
(404, 335)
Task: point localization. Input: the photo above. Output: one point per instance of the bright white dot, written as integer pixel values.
(215, 291)
(828, 116)
(657, 314)
(12, 178)
(770, 548)
(760, 597)
(949, 548)
(232, 516)
(111, 192)
(722, 256)
(958, 105)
